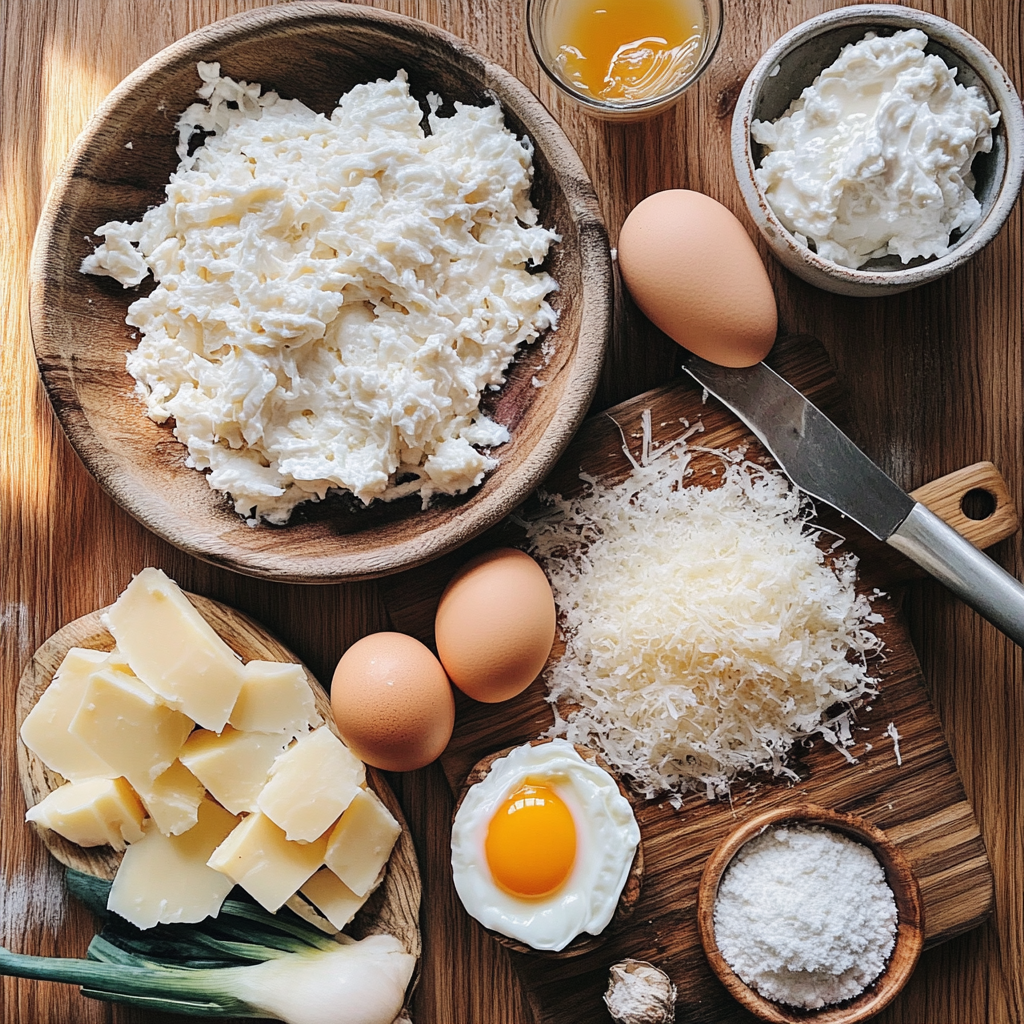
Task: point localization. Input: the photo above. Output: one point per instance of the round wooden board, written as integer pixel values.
(120, 166)
(583, 943)
(393, 909)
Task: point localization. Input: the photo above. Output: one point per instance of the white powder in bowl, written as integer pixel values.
(804, 916)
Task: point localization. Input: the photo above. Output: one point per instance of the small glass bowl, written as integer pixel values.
(538, 19)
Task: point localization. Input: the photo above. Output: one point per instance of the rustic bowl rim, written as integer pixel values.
(584, 942)
(806, 263)
(582, 370)
(899, 875)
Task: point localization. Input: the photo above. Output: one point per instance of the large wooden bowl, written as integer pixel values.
(898, 874)
(313, 52)
(393, 909)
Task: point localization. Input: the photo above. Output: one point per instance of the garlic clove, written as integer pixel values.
(640, 993)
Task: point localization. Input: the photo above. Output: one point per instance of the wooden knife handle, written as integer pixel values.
(981, 490)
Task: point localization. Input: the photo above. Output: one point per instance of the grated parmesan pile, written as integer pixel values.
(334, 293)
(706, 632)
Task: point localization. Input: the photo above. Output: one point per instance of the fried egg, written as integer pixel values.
(542, 846)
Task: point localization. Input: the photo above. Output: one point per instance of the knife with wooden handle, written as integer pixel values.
(825, 464)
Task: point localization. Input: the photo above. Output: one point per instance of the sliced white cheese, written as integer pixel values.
(361, 842)
(115, 659)
(311, 784)
(96, 812)
(332, 897)
(174, 650)
(126, 723)
(172, 799)
(45, 729)
(164, 879)
(259, 858)
(275, 697)
(234, 765)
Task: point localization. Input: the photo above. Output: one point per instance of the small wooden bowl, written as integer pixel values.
(313, 52)
(899, 876)
(393, 909)
(630, 894)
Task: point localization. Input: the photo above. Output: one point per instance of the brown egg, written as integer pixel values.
(392, 702)
(694, 272)
(495, 625)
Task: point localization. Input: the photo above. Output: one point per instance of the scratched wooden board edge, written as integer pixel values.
(948, 855)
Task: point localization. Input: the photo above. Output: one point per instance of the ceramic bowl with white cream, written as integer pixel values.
(877, 148)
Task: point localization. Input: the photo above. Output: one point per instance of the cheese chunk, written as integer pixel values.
(96, 812)
(234, 765)
(332, 897)
(45, 729)
(115, 659)
(275, 697)
(123, 720)
(172, 799)
(259, 858)
(174, 650)
(311, 784)
(164, 879)
(360, 844)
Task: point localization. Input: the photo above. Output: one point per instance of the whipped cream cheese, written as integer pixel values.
(334, 292)
(874, 157)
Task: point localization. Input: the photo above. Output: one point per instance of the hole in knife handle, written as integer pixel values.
(975, 501)
(978, 504)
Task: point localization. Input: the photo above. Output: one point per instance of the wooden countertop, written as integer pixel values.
(936, 381)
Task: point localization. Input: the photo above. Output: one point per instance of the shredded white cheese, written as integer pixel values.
(890, 731)
(706, 632)
(333, 293)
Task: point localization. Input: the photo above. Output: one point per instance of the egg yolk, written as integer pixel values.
(531, 842)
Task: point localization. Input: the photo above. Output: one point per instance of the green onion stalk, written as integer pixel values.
(246, 962)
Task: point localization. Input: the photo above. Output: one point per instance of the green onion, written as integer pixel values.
(273, 965)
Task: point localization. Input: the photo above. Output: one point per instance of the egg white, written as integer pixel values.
(607, 836)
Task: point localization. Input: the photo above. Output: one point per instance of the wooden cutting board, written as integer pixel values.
(919, 803)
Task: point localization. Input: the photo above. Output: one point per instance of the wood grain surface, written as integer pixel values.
(935, 378)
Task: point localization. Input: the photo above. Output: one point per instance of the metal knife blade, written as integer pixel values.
(812, 451)
(824, 463)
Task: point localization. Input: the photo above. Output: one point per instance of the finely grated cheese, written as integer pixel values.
(706, 632)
